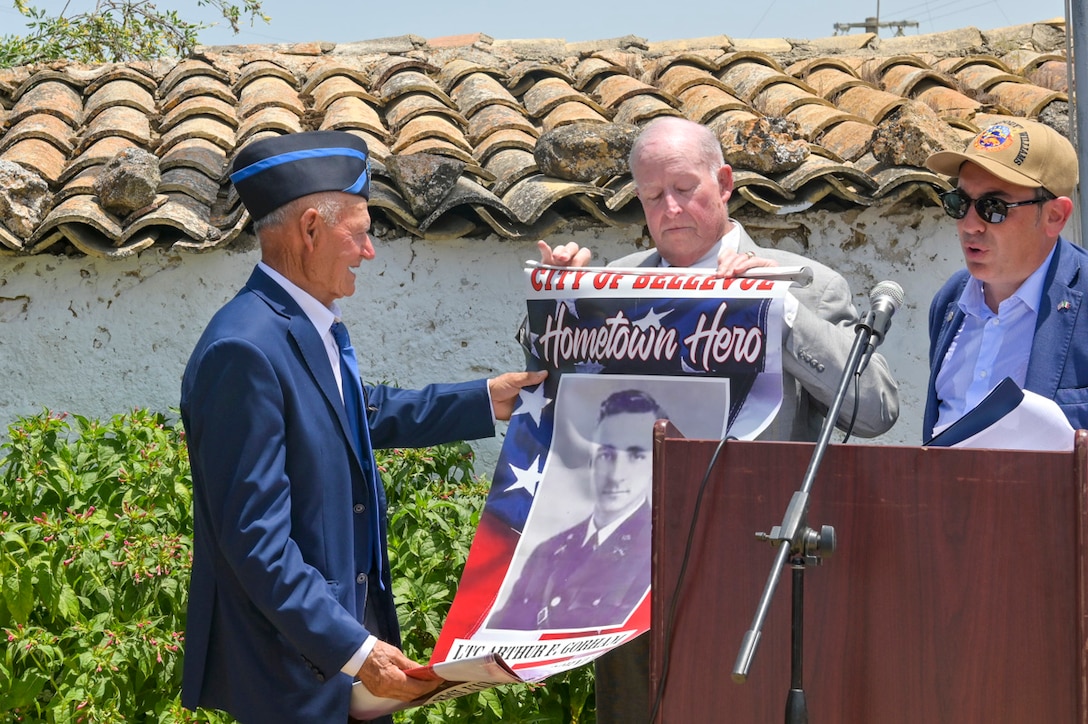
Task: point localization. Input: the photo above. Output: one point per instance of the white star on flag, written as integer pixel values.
(588, 368)
(532, 403)
(652, 319)
(570, 304)
(527, 479)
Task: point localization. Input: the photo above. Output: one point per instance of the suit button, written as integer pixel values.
(360, 579)
(359, 508)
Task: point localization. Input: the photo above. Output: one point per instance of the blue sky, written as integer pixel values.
(576, 20)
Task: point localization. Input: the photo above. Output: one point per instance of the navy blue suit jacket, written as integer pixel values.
(282, 511)
(1058, 366)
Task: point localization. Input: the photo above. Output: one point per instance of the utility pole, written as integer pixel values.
(873, 24)
(1077, 50)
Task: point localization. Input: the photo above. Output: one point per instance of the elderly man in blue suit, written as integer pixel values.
(290, 598)
(1017, 309)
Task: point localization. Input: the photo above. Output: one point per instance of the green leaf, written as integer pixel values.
(68, 604)
(19, 594)
(22, 691)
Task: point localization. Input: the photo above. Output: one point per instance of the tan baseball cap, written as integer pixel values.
(1022, 152)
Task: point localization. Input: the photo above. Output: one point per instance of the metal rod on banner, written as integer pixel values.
(800, 275)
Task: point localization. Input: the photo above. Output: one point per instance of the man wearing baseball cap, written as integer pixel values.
(291, 597)
(1016, 310)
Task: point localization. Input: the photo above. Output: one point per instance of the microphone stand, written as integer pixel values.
(800, 545)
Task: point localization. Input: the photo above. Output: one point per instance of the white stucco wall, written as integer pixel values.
(97, 337)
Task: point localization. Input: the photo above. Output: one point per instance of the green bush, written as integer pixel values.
(95, 553)
(95, 563)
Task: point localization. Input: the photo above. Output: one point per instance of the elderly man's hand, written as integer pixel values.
(383, 674)
(734, 264)
(505, 388)
(569, 254)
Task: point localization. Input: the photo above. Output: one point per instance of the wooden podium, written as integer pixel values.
(957, 592)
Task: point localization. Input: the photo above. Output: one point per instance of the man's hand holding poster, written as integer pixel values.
(559, 569)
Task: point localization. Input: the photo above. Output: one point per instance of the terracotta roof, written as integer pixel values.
(844, 120)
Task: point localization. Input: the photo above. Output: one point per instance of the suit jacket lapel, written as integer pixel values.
(1058, 310)
(312, 350)
(951, 321)
(309, 344)
(746, 243)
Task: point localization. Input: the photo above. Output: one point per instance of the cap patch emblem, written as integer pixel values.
(994, 138)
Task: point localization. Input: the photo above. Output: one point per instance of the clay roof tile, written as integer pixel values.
(486, 102)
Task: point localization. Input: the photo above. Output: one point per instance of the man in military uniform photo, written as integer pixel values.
(595, 573)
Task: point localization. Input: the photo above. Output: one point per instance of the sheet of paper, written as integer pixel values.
(1010, 419)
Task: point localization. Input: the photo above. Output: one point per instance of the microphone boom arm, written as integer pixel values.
(794, 531)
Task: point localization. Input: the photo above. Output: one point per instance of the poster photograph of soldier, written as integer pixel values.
(583, 561)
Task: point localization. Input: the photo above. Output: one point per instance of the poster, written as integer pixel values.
(559, 568)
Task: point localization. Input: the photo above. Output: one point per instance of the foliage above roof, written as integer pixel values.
(114, 31)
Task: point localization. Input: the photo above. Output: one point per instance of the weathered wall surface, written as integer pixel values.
(96, 337)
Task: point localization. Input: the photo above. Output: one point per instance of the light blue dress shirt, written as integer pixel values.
(988, 347)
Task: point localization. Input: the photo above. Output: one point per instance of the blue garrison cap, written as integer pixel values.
(273, 171)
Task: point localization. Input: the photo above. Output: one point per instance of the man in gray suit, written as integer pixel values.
(684, 185)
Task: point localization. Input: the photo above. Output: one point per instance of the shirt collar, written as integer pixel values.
(972, 301)
(731, 240)
(604, 532)
(319, 315)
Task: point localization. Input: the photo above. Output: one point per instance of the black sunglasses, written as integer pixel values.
(990, 209)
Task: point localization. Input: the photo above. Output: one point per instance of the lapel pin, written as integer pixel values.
(1063, 305)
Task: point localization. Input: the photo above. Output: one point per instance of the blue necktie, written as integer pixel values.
(353, 405)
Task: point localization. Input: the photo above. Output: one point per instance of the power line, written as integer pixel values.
(930, 6)
(957, 12)
(762, 17)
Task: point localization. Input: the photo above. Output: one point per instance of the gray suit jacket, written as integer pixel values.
(814, 353)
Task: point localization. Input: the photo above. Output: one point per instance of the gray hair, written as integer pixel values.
(329, 206)
(706, 143)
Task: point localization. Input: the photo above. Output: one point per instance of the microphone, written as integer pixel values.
(883, 301)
